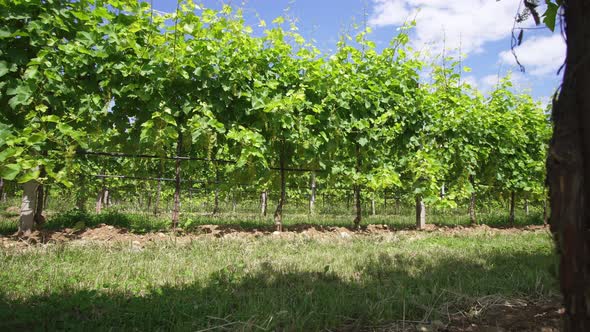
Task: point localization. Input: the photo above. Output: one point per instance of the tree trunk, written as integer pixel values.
(568, 169)
(2, 190)
(278, 216)
(28, 208)
(385, 201)
(472, 215)
(512, 205)
(526, 207)
(234, 202)
(263, 203)
(312, 195)
(373, 206)
(420, 213)
(176, 212)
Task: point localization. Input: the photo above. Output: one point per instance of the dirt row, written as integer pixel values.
(108, 233)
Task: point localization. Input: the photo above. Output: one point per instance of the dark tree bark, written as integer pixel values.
(2, 189)
(545, 214)
(41, 199)
(568, 169)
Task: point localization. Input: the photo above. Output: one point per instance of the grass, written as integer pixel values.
(268, 283)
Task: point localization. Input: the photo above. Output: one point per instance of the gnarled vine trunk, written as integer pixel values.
(100, 199)
(357, 206)
(28, 208)
(263, 203)
(568, 169)
(39, 218)
(420, 213)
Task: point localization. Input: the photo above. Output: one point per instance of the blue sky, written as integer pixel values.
(481, 28)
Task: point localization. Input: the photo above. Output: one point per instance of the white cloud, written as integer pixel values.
(471, 80)
(488, 83)
(465, 24)
(539, 55)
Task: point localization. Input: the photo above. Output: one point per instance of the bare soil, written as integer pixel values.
(511, 316)
(110, 234)
(499, 316)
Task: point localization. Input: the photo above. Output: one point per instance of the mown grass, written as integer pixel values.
(268, 283)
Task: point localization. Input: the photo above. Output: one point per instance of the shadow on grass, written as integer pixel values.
(386, 288)
(135, 223)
